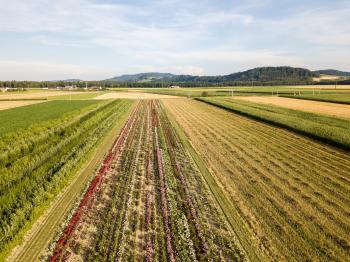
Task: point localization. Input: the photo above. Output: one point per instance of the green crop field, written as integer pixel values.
(341, 97)
(43, 159)
(19, 118)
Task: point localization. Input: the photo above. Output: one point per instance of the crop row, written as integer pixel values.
(30, 181)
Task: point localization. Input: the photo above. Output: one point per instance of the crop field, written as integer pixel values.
(341, 98)
(132, 95)
(16, 119)
(12, 104)
(38, 161)
(328, 129)
(176, 179)
(293, 91)
(324, 108)
(289, 195)
(39, 94)
(148, 201)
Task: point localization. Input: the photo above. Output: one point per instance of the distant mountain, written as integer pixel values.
(73, 80)
(332, 72)
(261, 74)
(142, 77)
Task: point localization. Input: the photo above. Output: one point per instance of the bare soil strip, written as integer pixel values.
(133, 95)
(12, 104)
(331, 109)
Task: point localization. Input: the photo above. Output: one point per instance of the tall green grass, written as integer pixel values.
(330, 130)
(15, 119)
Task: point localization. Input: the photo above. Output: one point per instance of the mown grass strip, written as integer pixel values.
(330, 98)
(330, 130)
(225, 204)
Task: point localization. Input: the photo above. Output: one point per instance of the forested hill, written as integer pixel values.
(261, 74)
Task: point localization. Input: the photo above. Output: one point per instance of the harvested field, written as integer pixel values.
(289, 195)
(324, 108)
(38, 95)
(12, 104)
(132, 95)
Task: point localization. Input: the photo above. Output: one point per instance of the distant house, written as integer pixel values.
(174, 87)
(3, 89)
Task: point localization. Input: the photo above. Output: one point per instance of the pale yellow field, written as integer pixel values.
(331, 109)
(36, 95)
(11, 104)
(133, 95)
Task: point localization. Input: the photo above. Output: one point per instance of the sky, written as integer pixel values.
(99, 39)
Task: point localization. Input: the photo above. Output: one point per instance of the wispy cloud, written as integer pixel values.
(199, 37)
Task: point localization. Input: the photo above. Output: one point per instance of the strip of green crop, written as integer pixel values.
(330, 130)
(225, 204)
(330, 98)
(36, 188)
(19, 118)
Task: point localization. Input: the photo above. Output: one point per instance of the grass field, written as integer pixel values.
(22, 117)
(317, 107)
(245, 91)
(341, 98)
(291, 194)
(76, 96)
(328, 129)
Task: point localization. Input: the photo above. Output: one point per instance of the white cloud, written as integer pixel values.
(187, 37)
(40, 70)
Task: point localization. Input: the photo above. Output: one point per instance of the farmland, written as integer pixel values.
(146, 202)
(44, 157)
(153, 177)
(289, 195)
(328, 129)
(330, 109)
(339, 97)
(12, 104)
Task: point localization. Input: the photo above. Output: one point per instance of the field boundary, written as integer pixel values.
(44, 229)
(271, 122)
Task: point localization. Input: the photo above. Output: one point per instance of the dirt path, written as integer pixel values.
(132, 95)
(331, 109)
(43, 231)
(11, 104)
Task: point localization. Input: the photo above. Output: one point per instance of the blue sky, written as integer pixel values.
(94, 39)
